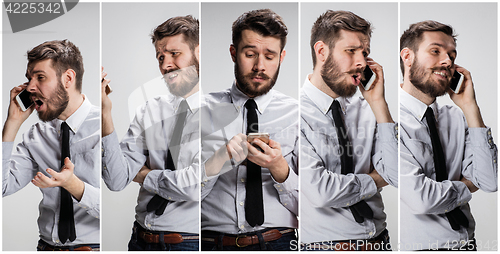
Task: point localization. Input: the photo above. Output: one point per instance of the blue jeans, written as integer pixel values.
(43, 246)
(285, 243)
(138, 244)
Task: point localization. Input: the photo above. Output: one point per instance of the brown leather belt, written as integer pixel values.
(244, 240)
(170, 238)
(48, 247)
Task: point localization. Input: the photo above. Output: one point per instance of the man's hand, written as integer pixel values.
(470, 185)
(236, 149)
(271, 158)
(375, 96)
(466, 100)
(379, 181)
(65, 179)
(16, 116)
(107, 120)
(141, 175)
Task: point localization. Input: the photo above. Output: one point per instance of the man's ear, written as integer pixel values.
(282, 56)
(68, 78)
(197, 53)
(322, 52)
(232, 50)
(407, 56)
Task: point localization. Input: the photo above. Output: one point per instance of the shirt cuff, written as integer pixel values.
(368, 187)
(464, 195)
(480, 137)
(207, 181)
(110, 143)
(290, 184)
(150, 181)
(387, 132)
(90, 200)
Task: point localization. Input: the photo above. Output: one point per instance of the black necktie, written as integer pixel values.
(361, 209)
(66, 220)
(456, 217)
(158, 203)
(254, 206)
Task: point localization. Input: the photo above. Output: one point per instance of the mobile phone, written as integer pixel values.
(456, 81)
(24, 100)
(262, 136)
(369, 78)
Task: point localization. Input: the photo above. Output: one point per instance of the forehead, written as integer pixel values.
(42, 66)
(171, 42)
(353, 39)
(251, 39)
(436, 38)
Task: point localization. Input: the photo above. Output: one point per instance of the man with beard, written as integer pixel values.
(446, 154)
(69, 180)
(160, 150)
(349, 144)
(249, 196)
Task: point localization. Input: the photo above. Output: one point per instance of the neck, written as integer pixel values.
(316, 79)
(413, 91)
(75, 101)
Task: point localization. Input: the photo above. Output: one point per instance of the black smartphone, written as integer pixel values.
(369, 78)
(24, 100)
(456, 81)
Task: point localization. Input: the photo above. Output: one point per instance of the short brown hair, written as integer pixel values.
(412, 37)
(264, 22)
(328, 26)
(185, 25)
(64, 54)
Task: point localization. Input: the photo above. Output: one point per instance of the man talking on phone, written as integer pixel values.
(348, 142)
(60, 154)
(249, 189)
(447, 153)
(161, 147)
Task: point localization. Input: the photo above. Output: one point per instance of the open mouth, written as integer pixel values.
(356, 79)
(38, 104)
(441, 74)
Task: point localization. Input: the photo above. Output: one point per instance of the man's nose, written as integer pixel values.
(359, 60)
(31, 86)
(167, 64)
(259, 64)
(446, 61)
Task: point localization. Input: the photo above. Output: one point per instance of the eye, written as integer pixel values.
(160, 58)
(175, 53)
(351, 51)
(365, 54)
(435, 51)
(40, 77)
(269, 57)
(249, 54)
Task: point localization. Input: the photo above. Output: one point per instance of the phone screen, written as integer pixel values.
(455, 80)
(368, 73)
(25, 97)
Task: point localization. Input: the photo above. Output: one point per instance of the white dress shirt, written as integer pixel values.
(470, 152)
(146, 143)
(41, 149)
(223, 195)
(326, 193)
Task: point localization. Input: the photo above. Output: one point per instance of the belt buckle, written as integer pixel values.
(236, 241)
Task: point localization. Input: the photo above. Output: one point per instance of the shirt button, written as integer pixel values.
(445, 211)
(494, 161)
(206, 180)
(285, 204)
(462, 242)
(202, 185)
(489, 132)
(363, 197)
(241, 203)
(242, 226)
(242, 180)
(347, 204)
(149, 225)
(57, 241)
(169, 198)
(280, 189)
(370, 234)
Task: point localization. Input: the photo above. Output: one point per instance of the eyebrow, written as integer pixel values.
(33, 73)
(359, 47)
(253, 47)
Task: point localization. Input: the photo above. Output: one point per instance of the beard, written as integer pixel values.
(254, 89)
(56, 104)
(187, 78)
(428, 86)
(336, 80)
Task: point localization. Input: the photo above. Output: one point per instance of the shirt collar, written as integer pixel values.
(322, 100)
(415, 106)
(239, 99)
(76, 119)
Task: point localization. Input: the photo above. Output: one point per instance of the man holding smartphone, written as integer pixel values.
(249, 197)
(447, 153)
(59, 154)
(161, 147)
(348, 142)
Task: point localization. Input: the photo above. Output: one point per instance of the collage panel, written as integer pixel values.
(150, 55)
(348, 156)
(66, 99)
(453, 129)
(249, 198)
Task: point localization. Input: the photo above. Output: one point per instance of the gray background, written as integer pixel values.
(80, 26)
(217, 68)
(476, 26)
(128, 56)
(384, 45)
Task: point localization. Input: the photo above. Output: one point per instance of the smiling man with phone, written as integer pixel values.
(447, 153)
(348, 142)
(249, 196)
(60, 154)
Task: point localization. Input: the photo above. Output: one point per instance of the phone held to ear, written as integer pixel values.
(456, 81)
(24, 100)
(369, 78)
